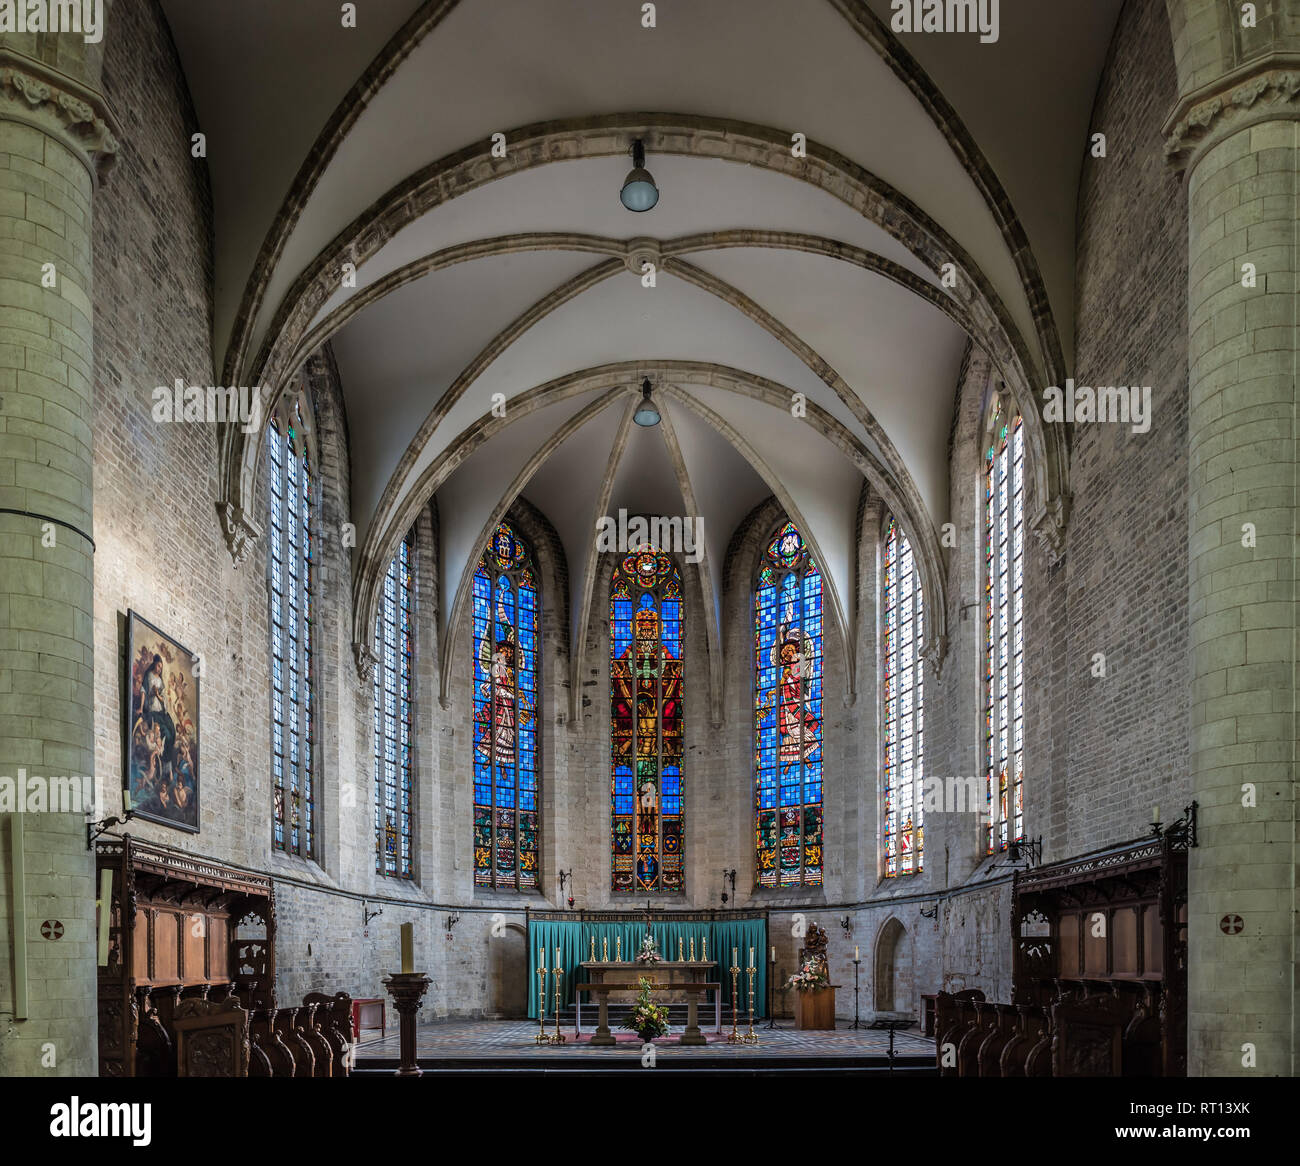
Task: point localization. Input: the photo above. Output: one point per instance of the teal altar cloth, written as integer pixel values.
(573, 938)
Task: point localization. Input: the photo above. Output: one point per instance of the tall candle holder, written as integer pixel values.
(593, 949)
(857, 1023)
(692, 949)
(704, 944)
(618, 949)
(680, 957)
(558, 1038)
(604, 949)
(734, 1038)
(541, 1038)
(771, 990)
(751, 1037)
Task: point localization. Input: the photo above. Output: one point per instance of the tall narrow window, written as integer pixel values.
(788, 714)
(393, 636)
(646, 725)
(1004, 526)
(292, 579)
(507, 615)
(903, 718)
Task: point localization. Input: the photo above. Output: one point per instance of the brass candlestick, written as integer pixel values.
(751, 1037)
(704, 944)
(593, 949)
(618, 949)
(692, 949)
(680, 957)
(604, 949)
(558, 1038)
(735, 1038)
(541, 1038)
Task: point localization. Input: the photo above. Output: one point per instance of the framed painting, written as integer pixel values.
(161, 764)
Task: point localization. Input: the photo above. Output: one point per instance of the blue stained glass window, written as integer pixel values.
(788, 714)
(507, 629)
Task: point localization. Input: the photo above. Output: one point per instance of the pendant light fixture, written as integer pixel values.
(646, 414)
(639, 191)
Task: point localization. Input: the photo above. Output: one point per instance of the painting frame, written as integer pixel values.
(161, 748)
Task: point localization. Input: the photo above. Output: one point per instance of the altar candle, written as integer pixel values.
(751, 957)
(593, 949)
(855, 953)
(735, 956)
(542, 965)
(604, 949)
(618, 948)
(704, 942)
(557, 957)
(774, 953)
(692, 949)
(408, 948)
(679, 949)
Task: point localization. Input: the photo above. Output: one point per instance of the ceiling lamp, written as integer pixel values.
(639, 191)
(646, 414)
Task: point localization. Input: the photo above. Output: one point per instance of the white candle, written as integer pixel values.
(855, 953)
(542, 965)
(774, 953)
(557, 957)
(1155, 813)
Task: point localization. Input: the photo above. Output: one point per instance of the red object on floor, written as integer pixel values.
(364, 1010)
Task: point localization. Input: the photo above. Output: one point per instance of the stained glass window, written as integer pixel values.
(393, 701)
(1004, 692)
(788, 714)
(903, 677)
(646, 724)
(292, 578)
(507, 614)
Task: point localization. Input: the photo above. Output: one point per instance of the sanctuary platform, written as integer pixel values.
(506, 1047)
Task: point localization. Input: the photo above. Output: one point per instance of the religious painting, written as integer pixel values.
(506, 634)
(161, 769)
(788, 714)
(646, 724)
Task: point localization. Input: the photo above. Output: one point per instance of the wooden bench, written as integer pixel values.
(691, 1034)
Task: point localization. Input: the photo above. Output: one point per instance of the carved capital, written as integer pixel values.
(366, 661)
(933, 651)
(1049, 524)
(33, 93)
(1240, 99)
(240, 531)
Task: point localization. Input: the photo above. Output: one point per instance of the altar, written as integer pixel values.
(663, 974)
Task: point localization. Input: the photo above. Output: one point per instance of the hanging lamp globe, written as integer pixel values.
(646, 414)
(639, 191)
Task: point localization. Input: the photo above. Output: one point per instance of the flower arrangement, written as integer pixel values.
(648, 954)
(812, 975)
(647, 1019)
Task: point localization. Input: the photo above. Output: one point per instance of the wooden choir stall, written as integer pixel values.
(1099, 971)
(187, 975)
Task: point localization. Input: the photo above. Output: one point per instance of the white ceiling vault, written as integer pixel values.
(481, 280)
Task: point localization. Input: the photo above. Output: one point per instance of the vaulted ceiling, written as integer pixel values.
(482, 280)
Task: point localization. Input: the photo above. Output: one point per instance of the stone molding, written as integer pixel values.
(52, 102)
(1239, 100)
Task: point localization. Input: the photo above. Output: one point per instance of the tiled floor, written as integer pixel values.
(511, 1038)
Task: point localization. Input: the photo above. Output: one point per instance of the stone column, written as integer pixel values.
(54, 134)
(1240, 147)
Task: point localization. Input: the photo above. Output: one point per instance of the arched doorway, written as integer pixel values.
(893, 990)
